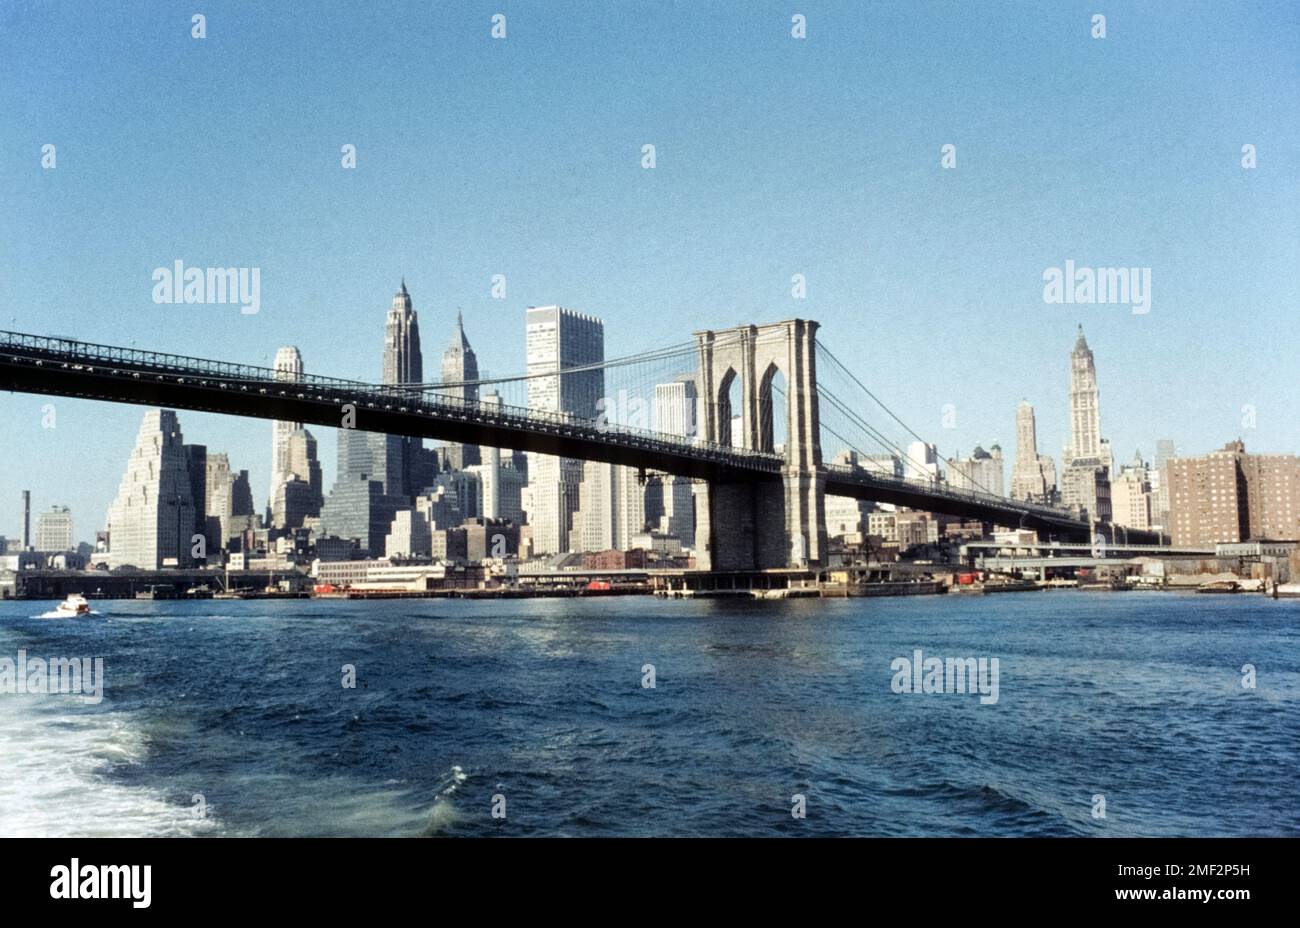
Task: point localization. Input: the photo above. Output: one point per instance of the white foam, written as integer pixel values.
(54, 781)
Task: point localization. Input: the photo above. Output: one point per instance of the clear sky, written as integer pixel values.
(775, 156)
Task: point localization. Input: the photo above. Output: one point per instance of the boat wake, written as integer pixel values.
(58, 781)
(444, 813)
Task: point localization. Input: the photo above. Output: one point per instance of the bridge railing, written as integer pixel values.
(424, 400)
(934, 488)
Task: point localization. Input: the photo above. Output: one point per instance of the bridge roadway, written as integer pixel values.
(1112, 549)
(929, 497)
(62, 367)
(66, 367)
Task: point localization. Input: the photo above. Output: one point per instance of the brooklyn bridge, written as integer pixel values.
(757, 452)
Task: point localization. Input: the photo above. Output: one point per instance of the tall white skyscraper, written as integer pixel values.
(1034, 474)
(593, 522)
(676, 407)
(612, 509)
(151, 521)
(500, 484)
(559, 339)
(673, 501)
(490, 476)
(1087, 468)
(1085, 406)
(288, 367)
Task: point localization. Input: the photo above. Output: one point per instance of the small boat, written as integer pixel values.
(1219, 586)
(1113, 585)
(73, 606)
(1003, 584)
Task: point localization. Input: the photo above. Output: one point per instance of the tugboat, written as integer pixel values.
(73, 606)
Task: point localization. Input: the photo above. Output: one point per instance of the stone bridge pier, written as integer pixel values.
(759, 524)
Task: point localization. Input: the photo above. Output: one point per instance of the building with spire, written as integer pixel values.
(403, 363)
(1085, 477)
(1085, 405)
(460, 366)
(376, 474)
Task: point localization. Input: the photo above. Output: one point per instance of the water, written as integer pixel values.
(1136, 696)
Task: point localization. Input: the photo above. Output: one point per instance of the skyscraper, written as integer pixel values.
(288, 367)
(559, 339)
(299, 495)
(500, 483)
(358, 508)
(403, 364)
(54, 529)
(980, 473)
(1208, 497)
(670, 499)
(376, 472)
(676, 407)
(196, 463)
(1086, 471)
(152, 517)
(1229, 495)
(1034, 474)
(459, 365)
(1130, 495)
(1166, 451)
(923, 462)
(303, 462)
(229, 502)
(217, 486)
(1085, 403)
(612, 508)
(360, 504)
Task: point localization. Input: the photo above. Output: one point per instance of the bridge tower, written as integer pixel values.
(764, 523)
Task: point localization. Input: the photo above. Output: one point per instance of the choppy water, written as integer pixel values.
(1136, 696)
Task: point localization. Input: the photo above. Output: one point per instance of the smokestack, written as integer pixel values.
(27, 520)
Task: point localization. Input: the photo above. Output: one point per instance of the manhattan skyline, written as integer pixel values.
(481, 172)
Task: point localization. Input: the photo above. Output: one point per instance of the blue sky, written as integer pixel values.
(774, 157)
